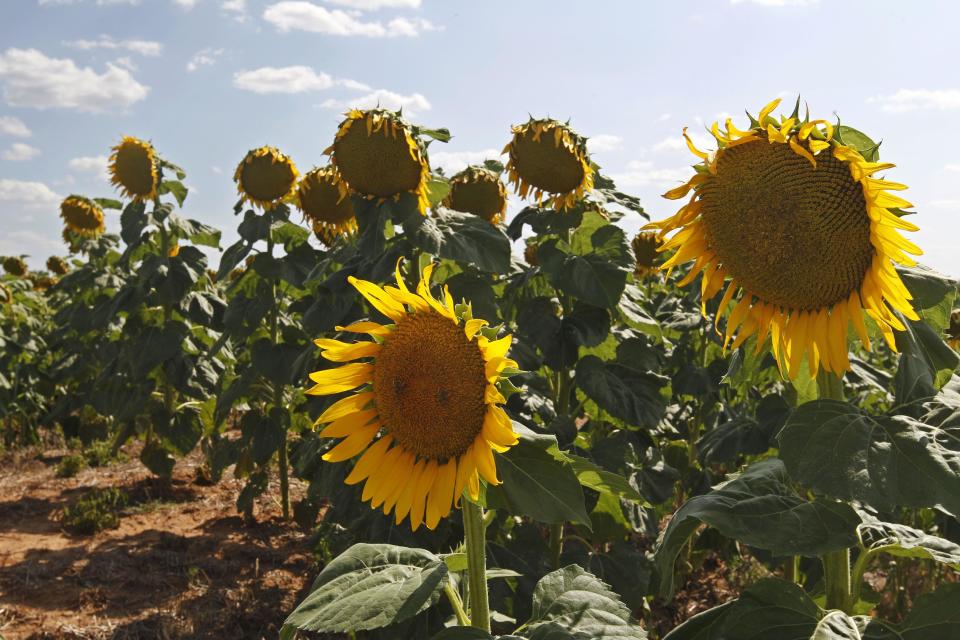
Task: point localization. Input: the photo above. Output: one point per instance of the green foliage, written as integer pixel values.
(97, 510)
(70, 465)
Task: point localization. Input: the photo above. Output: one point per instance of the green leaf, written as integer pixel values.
(175, 188)
(926, 362)
(572, 603)
(901, 540)
(233, 256)
(462, 237)
(370, 586)
(935, 616)
(836, 625)
(933, 294)
(158, 460)
(630, 395)
(858, 140)
(536, 484)
(770, 609)
(702, 626)
(599, 479)
(108, 203)
(759, 508)
(882, 461)
(593, 278)
(196, 232)
(437, 190)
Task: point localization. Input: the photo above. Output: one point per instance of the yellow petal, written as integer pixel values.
(370, 460)
(345, 426)
(353, 444)
(337, 351)
(379, 299)
(372, 328)
(345, 378)
(345, 406)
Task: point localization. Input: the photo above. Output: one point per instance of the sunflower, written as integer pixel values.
(530, 255)
(429, 388)
(15, 266)
(379, 156)
(133, 168)
(324, 200)
(791, 218)
(82, 216)
(557, 165)
(645, 245)
(265, 177)
(953, 332)
(42, 283)
(57, 265)
(478, 191)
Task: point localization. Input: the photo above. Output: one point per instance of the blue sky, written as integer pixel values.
(206, 80)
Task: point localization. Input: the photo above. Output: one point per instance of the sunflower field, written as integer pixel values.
(530, 426)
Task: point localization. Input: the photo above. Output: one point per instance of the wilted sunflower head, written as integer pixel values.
(42, 283)
(789, 216)
(645, 245)
(953, 332)
(379, 156)
(265, 177)
(82, 216)
(133, 169)
(530, 255)
(57, 265)
(324, 200)
(549, 158)
(424, 408)
(478, 191)
(15, 266)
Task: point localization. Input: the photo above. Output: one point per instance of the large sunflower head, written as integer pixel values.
(549, 158)
(478, 191)
(265, 177)
(379, 156)
(323, 199)
(133, 169)
(795, 225)
(82, 216)
(15, 266)
(424, 408)
(645, 245)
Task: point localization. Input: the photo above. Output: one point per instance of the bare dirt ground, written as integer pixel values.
(181, 564)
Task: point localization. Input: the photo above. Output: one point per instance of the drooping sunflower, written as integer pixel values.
(953, 331)
(42, 283)
(426, 411)
(547, 157)
(15, 266)
(57, 265)
(378, 154)
(324, 200)
(265, 177)
(82, 216)
(792, 218)
(645, 245)
(133, 169)
(478, 191)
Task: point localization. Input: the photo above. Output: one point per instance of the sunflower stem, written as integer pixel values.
(278, 390)
(462, 619)
(475, 535)
(556, 545)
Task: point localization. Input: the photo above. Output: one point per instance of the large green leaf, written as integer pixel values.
(462, 237)
(572, 603)
(926, 362)
(935, 616)
(760, 508)
(933, 294)
(628, 394)
(370, 586)
(882, 461)
(599, 479)
(593, 278)
(537, 484)
(901, 540)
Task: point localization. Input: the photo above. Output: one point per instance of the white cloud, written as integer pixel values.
(20, 152)
(373, 5)
(30, 243)
(453, 161)
(91, 164)
(642, 172)
(382, 98)
(918, 100)
(186, 4)
(952, 167)
(143, 47)
(31, 79)
(353, 84)
(305, 16)
(778, 3)
(14, 127)
(702, 141)
(237, 8)
(295, 79)
(217, 170)
(99, 2)
(27, 194)
(204, 58)
(604, 142)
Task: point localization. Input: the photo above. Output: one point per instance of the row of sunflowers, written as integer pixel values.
(548, 447)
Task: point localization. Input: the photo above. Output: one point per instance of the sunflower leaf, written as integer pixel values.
(370, 586)
(883, 461)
